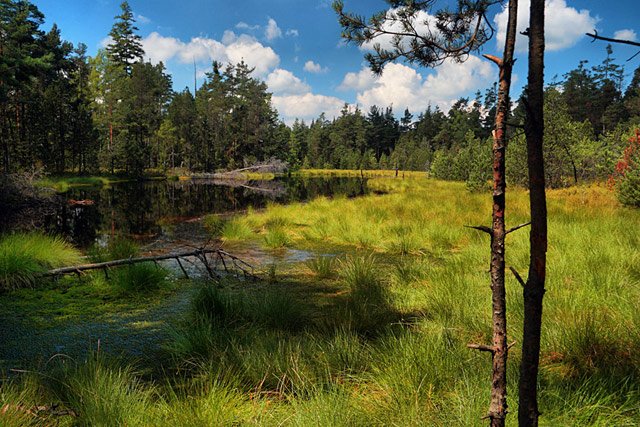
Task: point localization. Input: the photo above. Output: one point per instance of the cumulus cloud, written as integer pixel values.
(272, 31)
(625, 34)
(312, 67)
(564, 25)
(423, 23)
(360, 81)
(403, 87)
(106, 41)
(307, 106)
(231, 49)
(283, 82)
(292, 32)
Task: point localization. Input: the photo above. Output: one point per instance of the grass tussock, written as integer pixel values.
(378, 335)
(25, 256)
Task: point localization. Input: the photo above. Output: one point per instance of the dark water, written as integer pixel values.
(154, 211)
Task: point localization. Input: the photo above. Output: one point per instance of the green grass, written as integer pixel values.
(379, 338)
(25, 256)
(62, 184)
(323, 266)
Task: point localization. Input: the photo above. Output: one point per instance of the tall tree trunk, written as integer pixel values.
(6, 163)
(499, 348)
(534, 288)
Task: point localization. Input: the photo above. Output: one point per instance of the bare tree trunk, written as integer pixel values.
(499, 348)
(534, 289)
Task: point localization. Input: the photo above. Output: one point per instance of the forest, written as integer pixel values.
(192, 258)
(63, 111)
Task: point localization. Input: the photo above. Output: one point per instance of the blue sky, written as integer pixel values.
(295, 47)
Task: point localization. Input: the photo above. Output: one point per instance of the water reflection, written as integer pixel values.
(146, 210)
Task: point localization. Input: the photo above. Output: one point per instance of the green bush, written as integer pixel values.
(629, 188)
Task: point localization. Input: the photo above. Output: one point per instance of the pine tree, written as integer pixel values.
(126, 46)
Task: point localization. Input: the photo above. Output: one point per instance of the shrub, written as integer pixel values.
(627, 173)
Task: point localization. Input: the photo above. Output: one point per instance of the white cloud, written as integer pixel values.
(106, 41)
(403, 87)
(423, 23)
(292, 32)
(143, 19)
(625, 34)
(158, 48)
(360, 81)
(232, 49)
(283, 82)
(564, 25)
(307, 106)
(312, 67)
(272, 31)
(244, 26)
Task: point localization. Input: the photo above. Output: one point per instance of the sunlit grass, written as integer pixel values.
(378, 336)
(24, 257)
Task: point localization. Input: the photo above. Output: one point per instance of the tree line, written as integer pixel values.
(67, 112)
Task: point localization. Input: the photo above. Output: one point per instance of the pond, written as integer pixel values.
(168, 213)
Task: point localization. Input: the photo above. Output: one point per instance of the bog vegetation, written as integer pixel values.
(372, 330)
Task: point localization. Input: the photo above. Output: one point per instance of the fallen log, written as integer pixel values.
(201, 254)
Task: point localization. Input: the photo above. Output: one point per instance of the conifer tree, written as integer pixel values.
(126, 47)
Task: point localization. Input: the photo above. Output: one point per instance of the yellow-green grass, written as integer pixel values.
(356, 173)
(25, 256)
(62, 184)
(382, 341)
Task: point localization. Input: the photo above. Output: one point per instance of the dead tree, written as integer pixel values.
(456, 35)
(499, 348)
(534, 287)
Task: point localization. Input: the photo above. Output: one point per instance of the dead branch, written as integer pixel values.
(201, 254)
(517, 227)
(482, 347)
(483, 228)
(518, 277)
(595, 37)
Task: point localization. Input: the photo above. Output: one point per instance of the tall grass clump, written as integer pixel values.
(235, 230)
(369, 304)
(276, 238)
(217, 314)
(116, 248)
(214, 225)
(139, 278)
(322, 266)
(25, 256)
(99, 392)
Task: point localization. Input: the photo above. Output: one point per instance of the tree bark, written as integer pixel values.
(499, 348)
(534, 289)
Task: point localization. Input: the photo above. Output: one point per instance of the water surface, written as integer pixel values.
(170, 212)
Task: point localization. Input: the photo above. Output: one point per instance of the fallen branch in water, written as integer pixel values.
(201, 254)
